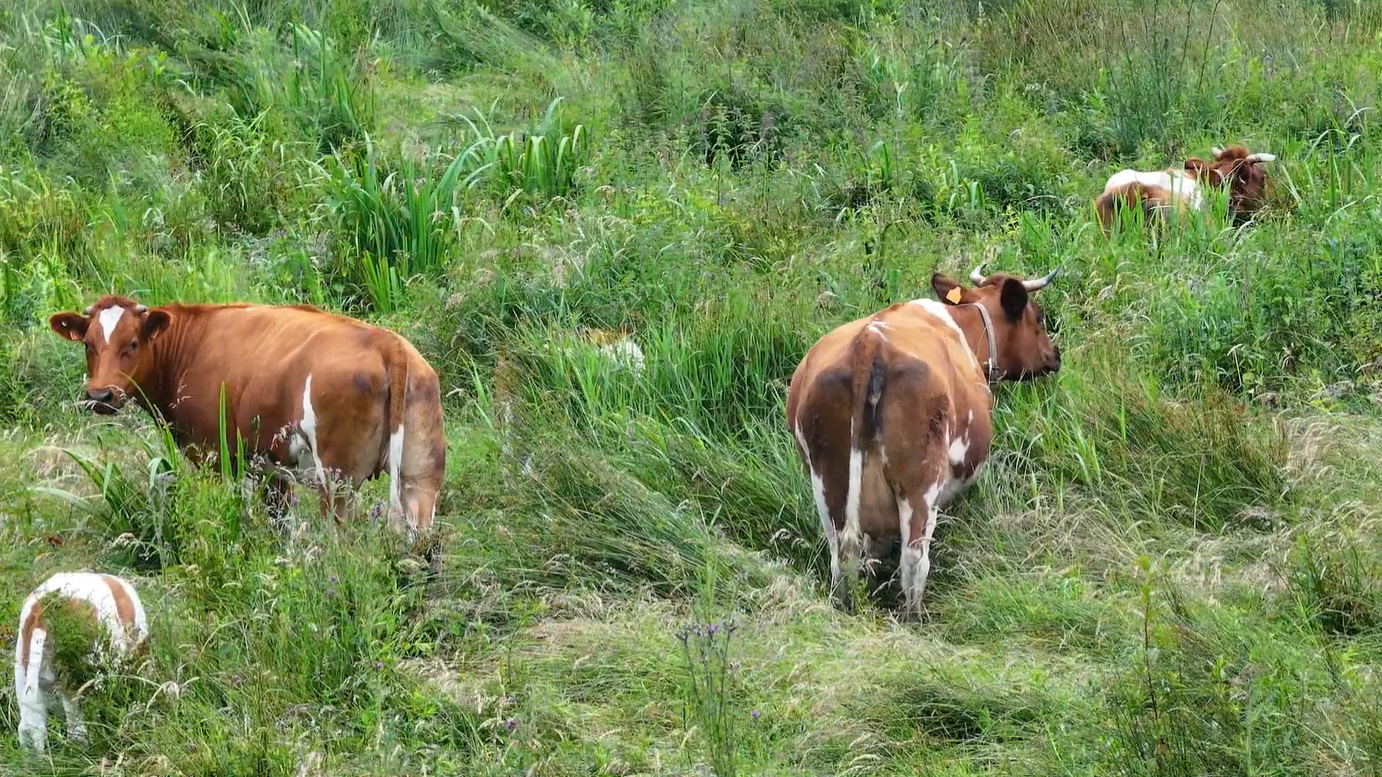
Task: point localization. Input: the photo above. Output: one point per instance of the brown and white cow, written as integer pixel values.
(110, 605)
(1183, 189)
(305, 389)
(891, 414)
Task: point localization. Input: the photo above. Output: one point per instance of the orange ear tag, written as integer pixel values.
(954, 296)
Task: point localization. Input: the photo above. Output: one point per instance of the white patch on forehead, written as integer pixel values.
(108, 318)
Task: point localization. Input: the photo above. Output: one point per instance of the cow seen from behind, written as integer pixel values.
(101, 622)
(891, 414)
(309, 393)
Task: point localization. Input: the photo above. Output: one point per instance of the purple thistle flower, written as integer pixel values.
(511, 725)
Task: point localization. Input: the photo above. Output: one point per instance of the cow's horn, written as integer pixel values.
(1216, 150)
(1040, 283)
(140, 310)
(1260, 157)
(88, 310)
(978, 275)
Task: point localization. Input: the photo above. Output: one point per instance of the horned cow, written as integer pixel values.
(1183, 189)
(307, 392)
(891, 414)
(118, 615)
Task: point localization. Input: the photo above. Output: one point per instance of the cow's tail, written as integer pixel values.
(865, 418)
(397, 368)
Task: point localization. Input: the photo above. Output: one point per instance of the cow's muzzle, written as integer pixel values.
(103, 401)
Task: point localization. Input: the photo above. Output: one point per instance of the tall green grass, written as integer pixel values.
(1167, 567)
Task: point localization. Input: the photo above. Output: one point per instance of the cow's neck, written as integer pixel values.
(172, 356)
(971, 324)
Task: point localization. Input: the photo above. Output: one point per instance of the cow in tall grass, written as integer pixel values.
(891, 414)
(1184, 189)
(303, 390)
(70, 620)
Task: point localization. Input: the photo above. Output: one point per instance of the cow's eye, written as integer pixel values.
(132, 346)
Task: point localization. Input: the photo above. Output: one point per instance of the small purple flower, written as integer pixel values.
(378, 666)
(511, 725)
(754, 714)
(712, 628)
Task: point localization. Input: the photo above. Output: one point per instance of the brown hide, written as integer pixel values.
(366, 382)
(1233, 167)
(904, 392)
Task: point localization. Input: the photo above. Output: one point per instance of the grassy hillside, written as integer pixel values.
(1170, 567)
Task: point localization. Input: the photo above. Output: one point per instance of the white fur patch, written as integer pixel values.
(942, 312)
(827, 525)
(852, 496)
(1177, 183)
(309, 429)
(958, 448)
(395, 468)
(109, 318)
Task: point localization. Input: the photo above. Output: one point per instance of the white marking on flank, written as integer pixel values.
(942, 312)
(1178, 184)
(395, 467)
(958, 448)
(109, 318)
(309, 428)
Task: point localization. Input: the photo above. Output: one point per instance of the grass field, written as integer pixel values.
(1169, 567)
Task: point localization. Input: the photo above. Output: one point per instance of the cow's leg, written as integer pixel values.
(278, 498)
(417, 461)
(33, 708)
(916, 430)
(917, 514)
(830, 502)
(76, 724)
(874, 552)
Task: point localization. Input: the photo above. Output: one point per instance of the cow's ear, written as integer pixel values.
(1013, 299)
(69, 326)
(947, 289)
(155, 323)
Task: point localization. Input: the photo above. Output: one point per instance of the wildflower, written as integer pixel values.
(511, 725)
(711, 629)
(754, 714)
(378, 666)
(734, 666)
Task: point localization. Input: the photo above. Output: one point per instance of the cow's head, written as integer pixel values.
(1243, 174)
(117, 332)
(1025, 350)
